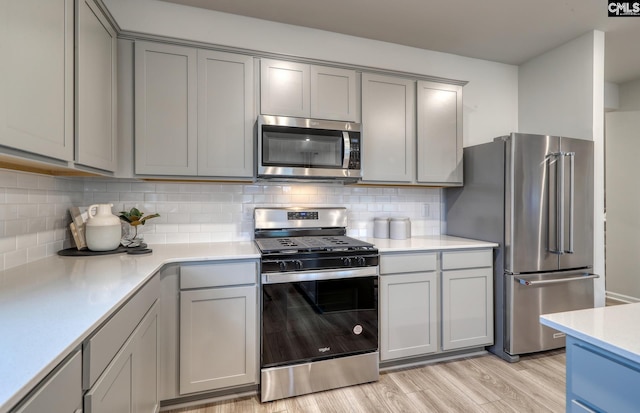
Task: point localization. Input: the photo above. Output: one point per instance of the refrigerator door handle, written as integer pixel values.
(571, 156)
(587, 276)
(556, 211)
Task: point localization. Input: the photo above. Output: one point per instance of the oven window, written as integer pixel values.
(296, 147)
(315, 320)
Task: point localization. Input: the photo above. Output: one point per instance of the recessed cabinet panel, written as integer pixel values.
(36, 76)
(165, 109)
(225, 114)
(439, 133)
(96, 88)
(388, 113)
(218, 338)
(333, 94)
(408, 315)
(467, 308)
(285, 88)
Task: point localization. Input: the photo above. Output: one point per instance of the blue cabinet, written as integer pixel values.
(600, 381)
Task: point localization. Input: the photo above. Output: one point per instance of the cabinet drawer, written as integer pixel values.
(411, 262)
(61, 393)
(467, 259)
(100, 349)
(219, 274)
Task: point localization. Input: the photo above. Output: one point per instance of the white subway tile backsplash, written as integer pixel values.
(34, 215)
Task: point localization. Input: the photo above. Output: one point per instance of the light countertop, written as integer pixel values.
(614, 328)
(428, 243)
(48, 307)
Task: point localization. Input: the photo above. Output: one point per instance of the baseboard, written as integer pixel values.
(621, 298)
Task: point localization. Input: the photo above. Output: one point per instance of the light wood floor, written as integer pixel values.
(483, 384)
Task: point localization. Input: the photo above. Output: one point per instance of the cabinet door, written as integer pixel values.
(218, 339)
(408, 315)
(36, 76)
(284, 88)
(95, 88)
(225, 114)
(333, 94)
(61, 393)
(165, 109)
(439, 133)
(467, 308)
(130, 382)
(146, 378)
(388, 147)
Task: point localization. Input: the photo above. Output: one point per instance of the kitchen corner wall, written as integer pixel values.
(34, 214)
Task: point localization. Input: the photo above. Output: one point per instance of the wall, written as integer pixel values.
(490, 97)
(34, 214)
(629, 96)
(623, 204)
(561, 92)
(623, 220)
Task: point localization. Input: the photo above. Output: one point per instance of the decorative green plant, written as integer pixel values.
(135, 217)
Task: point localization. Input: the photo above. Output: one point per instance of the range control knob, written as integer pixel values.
(298, 264)
(346, 262)
(361, 261)
(282, 265)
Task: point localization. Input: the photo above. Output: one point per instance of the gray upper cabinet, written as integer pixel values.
(439, 133)
(307, 91)
(388, 124)
(194, 112)
(165, 109)
(96, 42)
(225, 114)
(36, 76)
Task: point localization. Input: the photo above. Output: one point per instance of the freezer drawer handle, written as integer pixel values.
(556, 280)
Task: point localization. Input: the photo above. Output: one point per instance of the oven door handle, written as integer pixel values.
(318, 275)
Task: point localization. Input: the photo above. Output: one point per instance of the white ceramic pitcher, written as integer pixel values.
(102, 230)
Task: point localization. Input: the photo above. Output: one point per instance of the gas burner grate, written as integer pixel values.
(310, 243)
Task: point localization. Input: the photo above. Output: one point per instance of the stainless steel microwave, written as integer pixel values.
(297, 148)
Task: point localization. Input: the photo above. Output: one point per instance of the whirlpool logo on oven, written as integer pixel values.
(324, 349)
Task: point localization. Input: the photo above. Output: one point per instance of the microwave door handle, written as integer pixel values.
(347, 149)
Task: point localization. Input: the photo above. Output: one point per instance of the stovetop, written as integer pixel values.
(311, 243)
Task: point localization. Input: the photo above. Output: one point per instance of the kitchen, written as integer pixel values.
(203, 212)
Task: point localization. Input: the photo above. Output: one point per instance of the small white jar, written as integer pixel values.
(381, 227)
(399, 228)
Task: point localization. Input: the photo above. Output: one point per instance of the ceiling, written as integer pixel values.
(506, 31)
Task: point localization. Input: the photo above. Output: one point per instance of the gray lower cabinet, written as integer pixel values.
(467, 299)
(120, 360)
(408, 305)
(218, 326)
(129, 384)
(59, 393)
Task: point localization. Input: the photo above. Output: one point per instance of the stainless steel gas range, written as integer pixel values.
(319, 323)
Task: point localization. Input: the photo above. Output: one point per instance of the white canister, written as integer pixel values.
(381, 227)
(102, 230)
(399, 228)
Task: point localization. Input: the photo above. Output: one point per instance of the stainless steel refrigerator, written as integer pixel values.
(533, 195)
